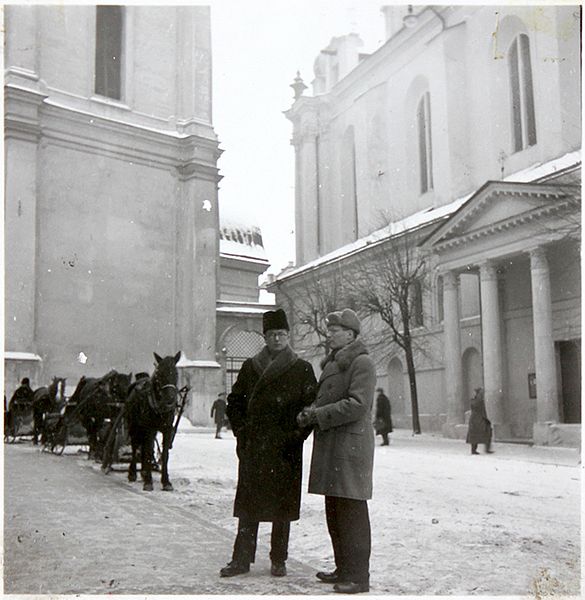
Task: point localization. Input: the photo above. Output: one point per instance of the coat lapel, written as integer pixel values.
(342, 359)
(271, 370)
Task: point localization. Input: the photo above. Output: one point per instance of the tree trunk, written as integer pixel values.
(412, 384)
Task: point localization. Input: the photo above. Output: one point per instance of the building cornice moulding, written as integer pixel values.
(192, 156)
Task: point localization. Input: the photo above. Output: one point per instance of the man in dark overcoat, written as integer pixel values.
(271, 389)
(218, 414)
(383, 419)
(343, 450)
(480, 427)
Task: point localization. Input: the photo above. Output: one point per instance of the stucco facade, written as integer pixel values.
(111, 218)
(464, 124)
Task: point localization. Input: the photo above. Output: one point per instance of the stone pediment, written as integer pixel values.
(500, 206)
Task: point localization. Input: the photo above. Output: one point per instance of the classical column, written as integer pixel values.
(544, 349)
(299, 212)
(452, 349)
(309, 182)
(491, 332)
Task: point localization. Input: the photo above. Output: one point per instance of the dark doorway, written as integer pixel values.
(570, 355)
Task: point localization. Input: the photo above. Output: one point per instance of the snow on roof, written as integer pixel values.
(251, 308)
(539, 170)
(428, 215)
(242, 251)
(208, 364)
(8, 355)
(241, 240)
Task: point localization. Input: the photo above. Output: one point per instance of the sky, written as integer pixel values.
(258, 46)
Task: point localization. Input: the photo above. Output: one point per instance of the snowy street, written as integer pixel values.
(443, 522)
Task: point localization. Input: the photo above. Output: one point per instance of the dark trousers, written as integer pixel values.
(245, 544)
(385, 441)
(218, 428)
(348, 522)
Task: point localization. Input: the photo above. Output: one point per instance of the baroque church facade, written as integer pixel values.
(462, 134)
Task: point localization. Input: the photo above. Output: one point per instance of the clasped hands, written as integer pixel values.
(308, 416)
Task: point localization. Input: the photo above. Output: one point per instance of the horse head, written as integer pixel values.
(120, 383)
(164, 382)
(105, 383)
(56, 391)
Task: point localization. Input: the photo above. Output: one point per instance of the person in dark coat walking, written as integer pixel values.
(218, 414)
(271, 389)
(383, 420)
(480, 427)
(343, 450)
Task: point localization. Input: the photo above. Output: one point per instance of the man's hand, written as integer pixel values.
(308, 416)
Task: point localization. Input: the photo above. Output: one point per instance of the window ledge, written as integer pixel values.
(109, 102)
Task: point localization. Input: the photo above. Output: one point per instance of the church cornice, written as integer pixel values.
(21, 112)
(452, 234)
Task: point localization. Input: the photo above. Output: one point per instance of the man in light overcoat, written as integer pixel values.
(343, 450)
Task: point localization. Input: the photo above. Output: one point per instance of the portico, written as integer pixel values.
(506, 234)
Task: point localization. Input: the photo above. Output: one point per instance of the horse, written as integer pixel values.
(45, 401)
(95, 400)
(150, 408)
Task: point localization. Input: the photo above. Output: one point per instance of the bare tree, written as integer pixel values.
(389, 284)
(314, 296)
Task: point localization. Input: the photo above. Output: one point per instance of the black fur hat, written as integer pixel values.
(25, 381)
(274, 319)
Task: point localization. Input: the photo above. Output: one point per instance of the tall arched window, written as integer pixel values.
(423, 120)
(108, 51)
(521, 93)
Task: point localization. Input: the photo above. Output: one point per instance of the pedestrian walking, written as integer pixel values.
(343, 450)
(383, 419)
(480, 427)
(270, 390)
(218, 414)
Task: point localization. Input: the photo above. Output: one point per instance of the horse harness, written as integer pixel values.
(151, 389)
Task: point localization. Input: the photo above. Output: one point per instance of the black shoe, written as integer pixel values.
(234, 568)
(278, 569)
(474, 452)
(351, 587)
(329, 576)
(489, 451)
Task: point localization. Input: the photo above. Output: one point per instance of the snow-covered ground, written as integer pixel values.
(443, 521)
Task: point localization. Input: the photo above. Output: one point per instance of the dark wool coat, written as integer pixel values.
(23, 394)
(218, 411)
(480, 427)
(262, 409)
(343, 447)
(383, 422)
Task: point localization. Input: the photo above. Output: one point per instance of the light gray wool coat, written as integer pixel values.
(343, 446)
